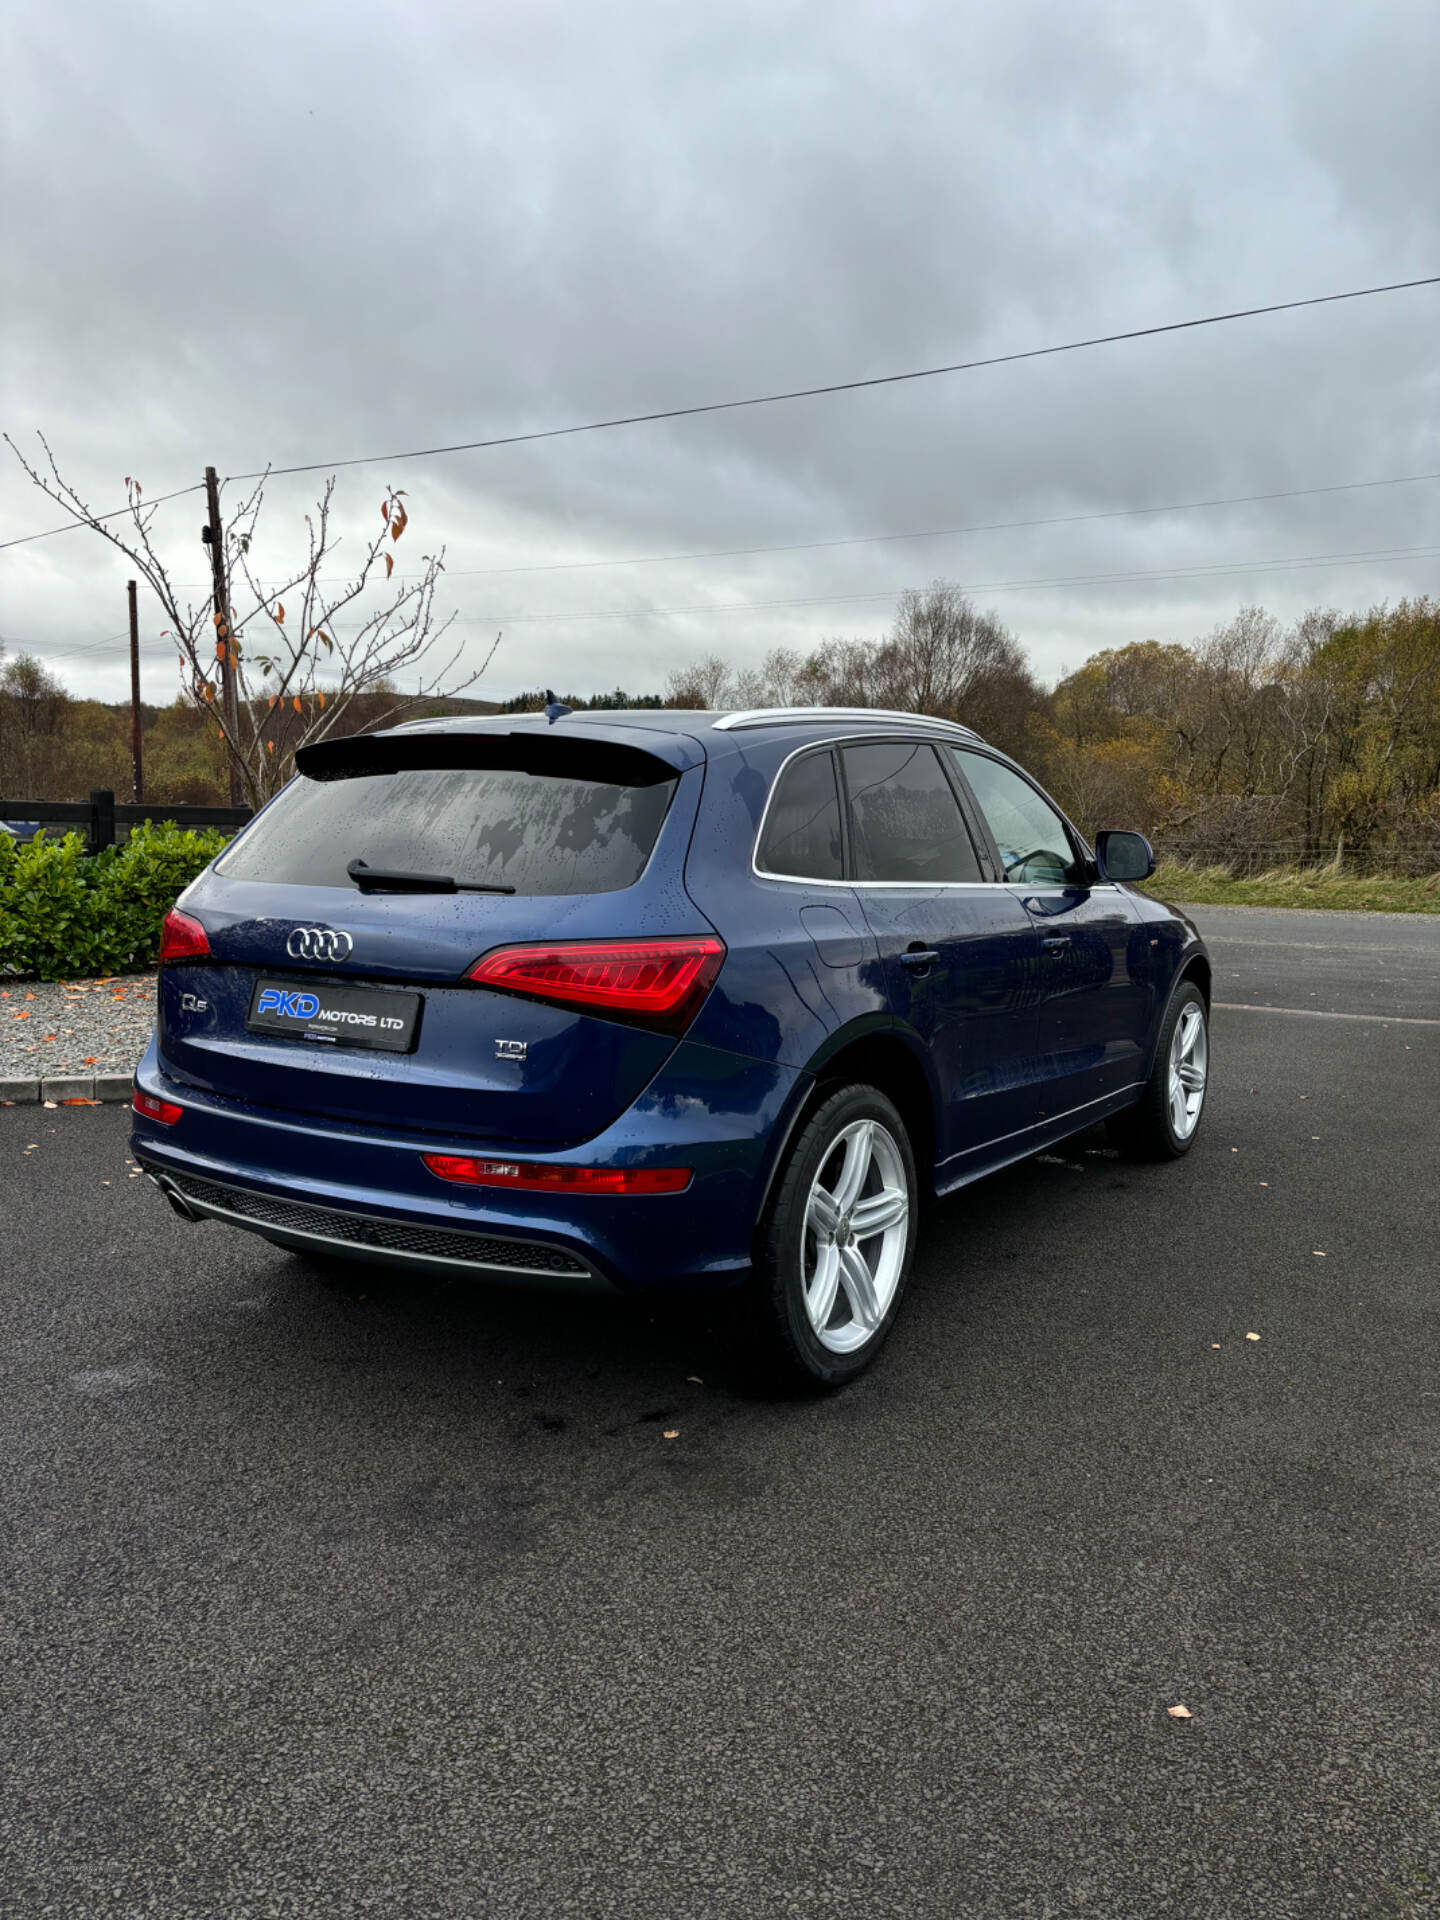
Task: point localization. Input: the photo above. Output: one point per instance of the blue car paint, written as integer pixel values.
(1018, 1044)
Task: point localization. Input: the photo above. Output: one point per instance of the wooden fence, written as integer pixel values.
(99, 816)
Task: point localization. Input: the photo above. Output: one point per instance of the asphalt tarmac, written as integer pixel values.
(359, 1598)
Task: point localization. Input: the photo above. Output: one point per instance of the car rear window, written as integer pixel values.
(540, 832)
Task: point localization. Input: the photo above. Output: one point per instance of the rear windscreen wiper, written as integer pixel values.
(396, 880)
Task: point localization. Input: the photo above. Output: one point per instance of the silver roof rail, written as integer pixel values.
(796, 716)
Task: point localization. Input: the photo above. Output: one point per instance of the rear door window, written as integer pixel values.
(540, 833)
(905, 822)
(802, 828)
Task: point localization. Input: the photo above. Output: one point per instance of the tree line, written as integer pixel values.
(1315, 740)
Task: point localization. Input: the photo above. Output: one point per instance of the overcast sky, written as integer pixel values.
(283, 234)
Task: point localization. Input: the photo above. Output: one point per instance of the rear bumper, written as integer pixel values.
(337, 1188)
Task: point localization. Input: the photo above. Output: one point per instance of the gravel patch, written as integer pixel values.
(50, 1027)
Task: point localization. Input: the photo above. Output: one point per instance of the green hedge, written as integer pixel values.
(65, 914)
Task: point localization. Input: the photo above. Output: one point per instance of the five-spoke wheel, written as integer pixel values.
(1189, 1060)
(857, 1230)
(834, 1249)
(1164, 1120)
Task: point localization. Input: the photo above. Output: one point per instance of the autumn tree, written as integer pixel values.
(302, 651)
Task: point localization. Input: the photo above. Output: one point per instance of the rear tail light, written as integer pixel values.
(182, 938)
(150, 1108)
(658, 983)
(530, 1176)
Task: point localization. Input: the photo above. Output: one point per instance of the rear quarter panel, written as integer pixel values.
(801, 964)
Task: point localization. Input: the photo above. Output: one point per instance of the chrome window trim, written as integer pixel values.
(910, 886)
(798, 716)
(850, 886)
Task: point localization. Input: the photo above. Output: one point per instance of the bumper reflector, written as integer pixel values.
(531, 1176)
(149, 1108)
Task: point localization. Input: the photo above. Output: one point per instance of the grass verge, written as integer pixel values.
(1294, 887)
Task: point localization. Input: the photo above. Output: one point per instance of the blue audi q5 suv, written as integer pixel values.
(662, 998)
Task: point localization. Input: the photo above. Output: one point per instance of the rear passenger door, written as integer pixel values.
(959, 953)
(1094, 1011)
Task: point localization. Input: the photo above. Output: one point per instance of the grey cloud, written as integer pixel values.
(469, 221)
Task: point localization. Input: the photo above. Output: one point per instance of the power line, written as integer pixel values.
(847, 386)
(771, 399)
(1209, 570)
(979, 586)
(935, 533)
(925, 533)
(118, 513)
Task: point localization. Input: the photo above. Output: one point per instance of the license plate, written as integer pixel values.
(336, 1016)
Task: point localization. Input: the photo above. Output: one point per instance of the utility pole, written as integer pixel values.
(215, 539)
(135, 696)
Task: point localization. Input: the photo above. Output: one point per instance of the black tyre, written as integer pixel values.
(834, 1249)
(1163, 1123)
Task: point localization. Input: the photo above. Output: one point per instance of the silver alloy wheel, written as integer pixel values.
(1189, 1060)
(857, 1223)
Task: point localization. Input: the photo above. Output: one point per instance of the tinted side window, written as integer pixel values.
(1030, 834)
(905, 821)
(802, 829)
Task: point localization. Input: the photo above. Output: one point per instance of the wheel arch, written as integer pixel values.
(1196, 966)
(878, 1056)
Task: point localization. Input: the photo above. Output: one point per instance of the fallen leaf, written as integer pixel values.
(672, 1433)
(79, 1100)
(1252, 1336)
(1179, 1713)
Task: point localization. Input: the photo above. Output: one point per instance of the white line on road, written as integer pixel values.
(1316, 1013)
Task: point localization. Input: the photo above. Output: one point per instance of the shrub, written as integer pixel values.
(65, 913)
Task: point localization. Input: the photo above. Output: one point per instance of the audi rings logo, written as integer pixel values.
(319, 943)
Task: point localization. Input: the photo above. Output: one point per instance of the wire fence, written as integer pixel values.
(1410, 859)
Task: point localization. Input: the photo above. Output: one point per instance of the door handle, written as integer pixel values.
(1054, 941)
(919, 957)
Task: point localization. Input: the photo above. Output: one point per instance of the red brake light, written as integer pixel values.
(182, 938)
(149, 1108)
(530, 1176)
(657, 982)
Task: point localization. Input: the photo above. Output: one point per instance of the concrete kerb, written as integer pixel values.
(61, 1087)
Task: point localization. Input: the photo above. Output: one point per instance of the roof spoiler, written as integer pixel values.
(563, 756)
